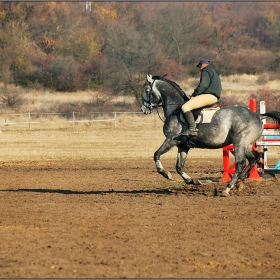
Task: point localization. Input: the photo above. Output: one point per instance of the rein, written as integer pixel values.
(177, 87)
(159, 115)
(170, 113)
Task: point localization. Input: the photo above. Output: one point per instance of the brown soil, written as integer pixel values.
(121, 219)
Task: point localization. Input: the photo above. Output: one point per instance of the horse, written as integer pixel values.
(237, 125)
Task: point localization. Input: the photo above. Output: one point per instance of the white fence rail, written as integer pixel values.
(74, 120)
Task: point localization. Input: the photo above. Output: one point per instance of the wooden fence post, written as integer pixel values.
(29, 120)
(73, 119)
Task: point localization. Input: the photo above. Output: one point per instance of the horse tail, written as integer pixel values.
(275, 115)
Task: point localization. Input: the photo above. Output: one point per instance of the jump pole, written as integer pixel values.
(268, 139)
(229, 170)
(254, 174)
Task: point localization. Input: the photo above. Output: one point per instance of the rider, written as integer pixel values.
(207, 92)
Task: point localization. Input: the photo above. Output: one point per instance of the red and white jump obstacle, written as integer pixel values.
(260, 146)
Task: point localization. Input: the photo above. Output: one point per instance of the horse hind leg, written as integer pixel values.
(253, 157)
(252, 134)
(240, 161)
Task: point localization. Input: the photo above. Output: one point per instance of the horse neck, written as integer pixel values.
(171, 98)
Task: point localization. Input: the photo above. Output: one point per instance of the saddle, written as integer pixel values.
(203, 114)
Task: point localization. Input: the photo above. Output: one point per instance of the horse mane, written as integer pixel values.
(175, 85)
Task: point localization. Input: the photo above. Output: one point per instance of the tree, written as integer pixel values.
(126, 59)
(179, 29)
(115, 44)
(14, 40)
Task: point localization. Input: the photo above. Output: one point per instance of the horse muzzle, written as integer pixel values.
(146, 110)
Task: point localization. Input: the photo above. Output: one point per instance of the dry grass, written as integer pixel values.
(137, 136)
(133, 137)
(47, 101)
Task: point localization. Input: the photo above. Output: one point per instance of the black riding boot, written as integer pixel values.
(192, 131)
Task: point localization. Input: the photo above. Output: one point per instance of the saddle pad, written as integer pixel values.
(205, 115)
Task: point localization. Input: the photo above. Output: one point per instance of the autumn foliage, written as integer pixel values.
(69, 46)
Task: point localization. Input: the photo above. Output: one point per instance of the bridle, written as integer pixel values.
(150, 105)
(147, 100)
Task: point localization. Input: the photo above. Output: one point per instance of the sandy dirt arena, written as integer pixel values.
(121, 219)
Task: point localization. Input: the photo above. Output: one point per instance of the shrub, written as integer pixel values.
(11, 97)
(271, 98)
(229, 101)
(60, 73)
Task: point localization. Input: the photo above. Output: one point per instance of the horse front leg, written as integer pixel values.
(164, 148)
(181, 160)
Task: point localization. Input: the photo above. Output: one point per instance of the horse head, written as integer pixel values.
(162, 92)
(153, 97)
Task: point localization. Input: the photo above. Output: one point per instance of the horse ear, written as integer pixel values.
(150, 78)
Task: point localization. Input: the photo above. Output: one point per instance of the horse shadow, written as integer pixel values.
(155, 191)
(99, 192)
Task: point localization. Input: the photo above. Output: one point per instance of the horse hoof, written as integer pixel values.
(240, 186)
(168, 175)
(225, 193)
(188, 181)
(196, 182)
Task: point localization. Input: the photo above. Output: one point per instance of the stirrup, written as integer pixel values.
(185, 133)
(192, 132)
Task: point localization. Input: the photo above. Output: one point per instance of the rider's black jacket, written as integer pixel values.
(210, 82)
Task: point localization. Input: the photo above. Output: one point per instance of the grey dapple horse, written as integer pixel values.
(238, 125)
